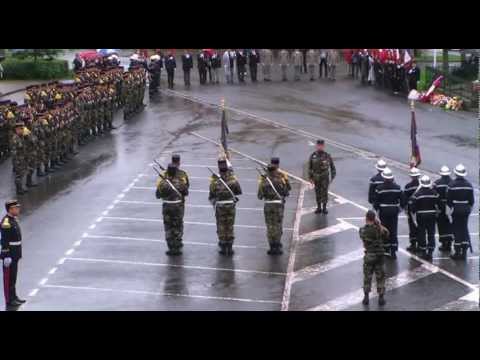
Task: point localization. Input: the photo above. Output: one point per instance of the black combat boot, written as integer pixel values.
(173, 252)
(366, 299)
(40, 173)
(446, 247)
(223, 249)
(429, 255)
(459, 254)
(319, 210)
(30, 182)
(19, 187)
(229, 249)
(381, 299)
(412, 248)
(325, 211)
(393, 254)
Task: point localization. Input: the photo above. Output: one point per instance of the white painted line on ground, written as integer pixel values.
(141, 292)
(206, 178)
(84, 234)
(92, 226)
(116, 201)
(162, 241)
(467, 302)
(43, 281)
(77, 243)
(330, 230)
(52, 271)
(190, 190)
(159, 203)
(120, 196)
(349, 148)
(448, 258)
(61, 261)
(69, 252)
(293, 251)
(213, 166)
(33, 292)
(352, 298)
(436, 235)
(316, 269)
(99, 219)
(186, 222)
(126, 262)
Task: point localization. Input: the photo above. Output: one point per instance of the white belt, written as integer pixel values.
(15, 243)
(224, 202)
(460, 201)
(172, 201)
(273, 201)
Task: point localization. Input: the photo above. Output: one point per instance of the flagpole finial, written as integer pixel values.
(222, 102)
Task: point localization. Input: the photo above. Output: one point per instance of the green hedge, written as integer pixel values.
(28, 69)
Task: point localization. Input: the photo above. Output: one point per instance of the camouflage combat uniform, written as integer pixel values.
(320, 167)
(373, 236)
(19, 160)
(274, 207)
(173, 208)
(224, 204)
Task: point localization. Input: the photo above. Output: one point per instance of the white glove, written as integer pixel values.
(7, 262)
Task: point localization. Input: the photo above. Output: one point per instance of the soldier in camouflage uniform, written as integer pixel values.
(19, 158)
(320, 168)
(373, 235)
(181, 173)
(224, 189)
(172, 189)
(4, 130)
(272, 188)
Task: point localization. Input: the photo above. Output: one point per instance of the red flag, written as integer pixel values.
(415, 159)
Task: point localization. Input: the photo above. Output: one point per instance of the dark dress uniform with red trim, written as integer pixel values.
(11, 249)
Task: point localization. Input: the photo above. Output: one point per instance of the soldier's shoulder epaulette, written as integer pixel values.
(6, 223)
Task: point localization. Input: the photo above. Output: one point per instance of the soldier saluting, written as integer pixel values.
(273, 189)
(320, 168)
(172, 188)
(224, 189)
(11, 253)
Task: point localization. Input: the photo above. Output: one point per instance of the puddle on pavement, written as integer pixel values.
(459, 140)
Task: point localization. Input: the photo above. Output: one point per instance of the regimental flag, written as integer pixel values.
(415, 159)
(224, 131)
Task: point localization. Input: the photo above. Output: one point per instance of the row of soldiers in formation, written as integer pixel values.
(273, 188)
(56, 118)
(211, 62)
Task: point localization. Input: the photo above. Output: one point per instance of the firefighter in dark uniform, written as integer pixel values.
(11, 253)
(376, 180)
(445, 234)
(154, 68)
(425, 205)
(460, 200)
(202, 67)
(413, 76)
(388, 203)
(409, 189)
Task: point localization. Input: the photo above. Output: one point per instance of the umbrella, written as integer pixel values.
(106, 52)
(88, 55)
(209, 52)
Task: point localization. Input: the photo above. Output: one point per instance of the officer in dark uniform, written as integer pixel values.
(445, 234)
(388, 203)
(241, 63)
(413, 76)
(460, 200)
(253, 60)
(425, 204)
(170, 65)
(154, 68)
(202, 67)
(409, 189)
(187, 65)
(376, 180)
(11, 253)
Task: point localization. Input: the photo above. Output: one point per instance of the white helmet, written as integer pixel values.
(134, 57)
(381, 165)
(387, 173)
(155, 57)
(444, 171)
(414, 172)
(460, 170)
(425, 181)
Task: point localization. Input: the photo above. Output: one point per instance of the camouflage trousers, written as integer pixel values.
(225, 215)
(321, 189)
(373, 263)
(274, 222)
(173, 224)
(20, 168)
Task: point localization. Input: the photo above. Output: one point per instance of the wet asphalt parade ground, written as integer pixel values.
(93, 231)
